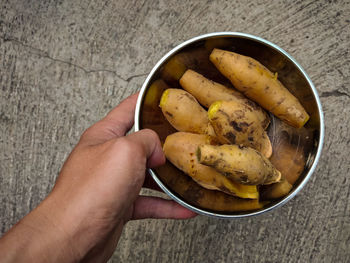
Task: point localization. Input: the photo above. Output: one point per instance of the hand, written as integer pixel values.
(96, 193)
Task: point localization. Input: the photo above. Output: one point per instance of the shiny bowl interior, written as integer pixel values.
(294, 150)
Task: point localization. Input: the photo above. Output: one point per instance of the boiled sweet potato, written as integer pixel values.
(180, 148)
(260, 85)
(241, 164)
(235, 123)
(184, 113)
(198, 196)
(207, 91)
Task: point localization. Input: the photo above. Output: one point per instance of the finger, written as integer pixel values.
(155, 207)
(151, 146)
(121, 118)
(116, 123)
(151, 184)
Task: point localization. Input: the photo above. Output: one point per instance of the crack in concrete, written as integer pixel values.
(45, 54)
(334, 93)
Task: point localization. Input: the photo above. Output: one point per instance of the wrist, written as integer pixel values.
(83, 226)
(37, 238)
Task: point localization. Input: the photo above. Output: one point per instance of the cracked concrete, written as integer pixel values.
(65, 64)
(45, 54)
(333, 93)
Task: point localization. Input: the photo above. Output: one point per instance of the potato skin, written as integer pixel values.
(235, 123)
(180, 148)
(207, 92)
(241, 164)
(260, 85)
(179, 108)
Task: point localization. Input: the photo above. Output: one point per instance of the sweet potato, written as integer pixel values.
(241, 164)
(184, 113)
(234, 123)
(260, 85)
(198, 196)
(207, 91)
(180, 147)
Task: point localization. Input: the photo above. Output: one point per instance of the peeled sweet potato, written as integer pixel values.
(207, 91)
(241, 164)
(235, 123)
(180, 148)
(259, 84)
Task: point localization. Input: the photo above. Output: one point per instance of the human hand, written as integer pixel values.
(97, 192)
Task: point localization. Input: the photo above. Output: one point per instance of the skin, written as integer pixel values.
(96, 194)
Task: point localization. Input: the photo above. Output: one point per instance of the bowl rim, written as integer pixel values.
(314, 91)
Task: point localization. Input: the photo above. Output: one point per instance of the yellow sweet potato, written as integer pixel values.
(184, 113)
(196, 195)
(207, 91)
(277, 190)
(235, 123)
(179, 149)
(241, 164)
(260, 85)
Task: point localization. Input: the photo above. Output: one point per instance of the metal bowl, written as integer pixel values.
(294, 150)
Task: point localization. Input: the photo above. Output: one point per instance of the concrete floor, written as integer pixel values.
(64, 64)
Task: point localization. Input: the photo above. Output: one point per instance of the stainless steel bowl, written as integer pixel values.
(298, 150)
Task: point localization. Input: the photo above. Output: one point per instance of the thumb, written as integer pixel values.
(151, 146)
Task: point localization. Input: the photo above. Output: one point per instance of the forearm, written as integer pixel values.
(37, 238)
(61, 229)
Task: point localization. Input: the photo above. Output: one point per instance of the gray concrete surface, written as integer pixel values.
(64, 64)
